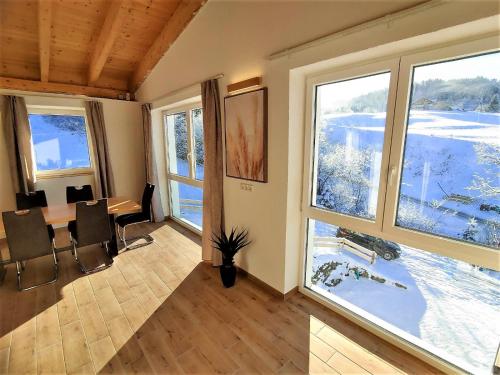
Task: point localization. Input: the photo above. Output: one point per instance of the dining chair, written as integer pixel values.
(92, 227)
(32, 199)
(78, 194)
(25, 201)
(27, 238)
(123, 221)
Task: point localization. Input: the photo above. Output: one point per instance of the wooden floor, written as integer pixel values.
(159, 310)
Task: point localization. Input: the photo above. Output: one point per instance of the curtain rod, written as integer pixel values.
(388, 18)
(176, 91)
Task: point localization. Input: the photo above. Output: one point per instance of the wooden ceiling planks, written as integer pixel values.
(183, 14)
(115, 17)
(87, 45)
(19, 39)
(147, 18)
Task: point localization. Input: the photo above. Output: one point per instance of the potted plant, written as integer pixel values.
(229, 246)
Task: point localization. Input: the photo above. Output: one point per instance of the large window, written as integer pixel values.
(184, 139)
(60, 141)
(350, 126)
(402, 198)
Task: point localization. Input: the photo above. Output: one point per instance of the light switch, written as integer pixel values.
(246, 187)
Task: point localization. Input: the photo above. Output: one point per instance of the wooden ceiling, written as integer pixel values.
(101, 48)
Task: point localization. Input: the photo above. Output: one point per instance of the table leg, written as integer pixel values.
(113, 244)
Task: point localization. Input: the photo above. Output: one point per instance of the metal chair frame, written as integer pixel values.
(20, 257)
(149, 240)
(83, 269)
(20, 268)
(74, 250)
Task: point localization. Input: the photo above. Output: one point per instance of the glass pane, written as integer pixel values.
(447, 307)
(187, 203)
(350, 124)
(197, 121)
(60, 142)
(450, 183)
(178, 144)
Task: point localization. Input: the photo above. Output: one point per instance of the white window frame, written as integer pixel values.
(392, 158)
(191, 180)
(465, 251)
(332, 217)
(395, 131)
(63, 111)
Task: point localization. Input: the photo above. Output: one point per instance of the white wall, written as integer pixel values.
(124, 132)
(235, 38)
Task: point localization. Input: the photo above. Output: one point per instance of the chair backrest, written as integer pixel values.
(92, 222)
(25, 201)
(27, 235)
(147, 197)
(79, 193)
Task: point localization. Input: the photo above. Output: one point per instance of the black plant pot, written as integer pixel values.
(228, 275)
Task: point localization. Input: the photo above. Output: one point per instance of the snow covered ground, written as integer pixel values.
(440, 163)
(56, 148)
(190, 197)
(447, 304)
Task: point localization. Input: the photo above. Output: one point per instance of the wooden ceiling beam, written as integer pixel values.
(59, 88)
(44, 31)
(182, 15)
(110, 30)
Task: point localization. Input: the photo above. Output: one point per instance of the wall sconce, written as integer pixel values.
(246, 84)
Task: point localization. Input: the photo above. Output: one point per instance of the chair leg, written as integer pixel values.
(86, 271)
(19, 269)
(147, 238)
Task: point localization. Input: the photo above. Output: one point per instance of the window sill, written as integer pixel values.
(64, 173)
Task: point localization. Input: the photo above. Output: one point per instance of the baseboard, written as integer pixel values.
(267, 287)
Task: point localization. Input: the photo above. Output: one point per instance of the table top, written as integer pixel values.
(62, 213)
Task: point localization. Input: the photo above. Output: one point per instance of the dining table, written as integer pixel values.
(60, 214)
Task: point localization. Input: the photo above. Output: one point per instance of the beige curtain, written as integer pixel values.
(151, 170)
(213, 202)
(17, 132)
(105, 184)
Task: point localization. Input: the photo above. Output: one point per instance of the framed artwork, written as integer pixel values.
(246, 135)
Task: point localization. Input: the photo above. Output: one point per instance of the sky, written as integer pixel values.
(338, 94)
(487, 66)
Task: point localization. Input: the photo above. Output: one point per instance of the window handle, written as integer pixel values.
(392, 174)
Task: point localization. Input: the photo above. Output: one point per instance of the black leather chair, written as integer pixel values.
(92, 227)
(78, 194)
(123, 221)
(27, 238)
(25, 201)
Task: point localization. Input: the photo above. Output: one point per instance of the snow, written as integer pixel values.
(448, 304)
(439, 162)
(191, 212)
(56, 148)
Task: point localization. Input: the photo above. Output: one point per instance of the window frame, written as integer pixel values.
(310, 149)
(392, 155)
(62, 111)
(464, 251)
(388, 231)
(191, 180)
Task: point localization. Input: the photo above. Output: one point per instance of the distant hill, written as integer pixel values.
(472, 94)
